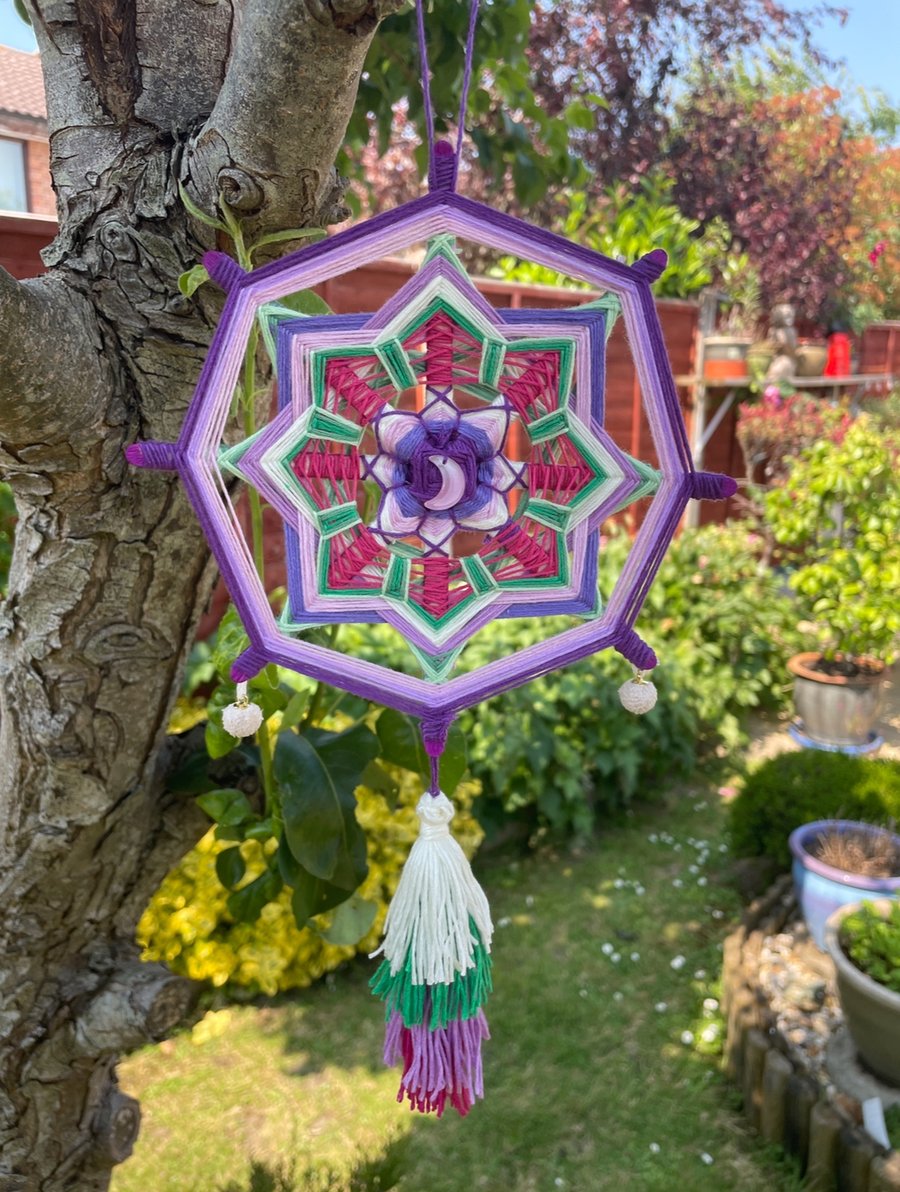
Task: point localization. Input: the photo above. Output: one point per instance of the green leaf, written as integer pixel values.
(191, 778)
(227, 806)
(351, 921)
(226, 832)
(231, 640)
(312, 234)
(401, 742)
(311, 895)
(19, 6)
(245, 905)
(317, 775)
(377, 779)
(193, 279)
(295, 709)
(271, 701)
(201, 216)
(454, 760)
(306, 302)
(218, 741)
(230, 867)
(262, 830)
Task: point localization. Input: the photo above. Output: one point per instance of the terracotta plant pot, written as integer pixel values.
(837, 711)
(811, 360)
(871, 1010)
(822, 888)
(725, 357)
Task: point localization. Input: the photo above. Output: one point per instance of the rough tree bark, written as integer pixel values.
(244, 100)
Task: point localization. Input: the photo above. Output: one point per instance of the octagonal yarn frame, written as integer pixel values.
(573, 478)
(439, 214)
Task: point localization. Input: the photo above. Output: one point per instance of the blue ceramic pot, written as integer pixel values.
(821, 888)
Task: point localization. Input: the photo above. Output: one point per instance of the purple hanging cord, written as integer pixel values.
(443, 159)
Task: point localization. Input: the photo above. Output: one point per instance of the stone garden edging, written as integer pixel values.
(787, 1106)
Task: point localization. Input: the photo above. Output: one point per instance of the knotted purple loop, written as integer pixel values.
(712, 486)
(153, 454)
(442, 175)
(637, 652)
(223, 269)
(435, 728)
(247, 665)
(651, 265)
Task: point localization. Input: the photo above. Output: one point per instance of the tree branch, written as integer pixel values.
(50, 368)
(268, 149)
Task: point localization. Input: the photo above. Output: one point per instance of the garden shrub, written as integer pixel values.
(837, 516)
(872, 941)
(561, 751)
(799, 788)
(187, 925)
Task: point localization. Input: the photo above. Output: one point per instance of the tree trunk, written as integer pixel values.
(110, 572)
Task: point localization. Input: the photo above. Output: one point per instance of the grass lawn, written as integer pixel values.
(602, 1072)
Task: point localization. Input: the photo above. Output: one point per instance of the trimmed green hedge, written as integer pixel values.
(799, 788)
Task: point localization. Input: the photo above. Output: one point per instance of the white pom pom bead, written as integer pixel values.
(241, 719)
(638, 695)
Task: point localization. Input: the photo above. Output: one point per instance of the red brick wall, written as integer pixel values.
(21, 239)
(41, 199)
(33, 137)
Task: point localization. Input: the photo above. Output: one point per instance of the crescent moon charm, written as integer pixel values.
(453, 483)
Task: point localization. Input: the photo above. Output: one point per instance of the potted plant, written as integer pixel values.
(836, 516)
(725, 353)
(863, 940)
(840, 861)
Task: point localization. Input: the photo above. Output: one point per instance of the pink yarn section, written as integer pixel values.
(439, 1065)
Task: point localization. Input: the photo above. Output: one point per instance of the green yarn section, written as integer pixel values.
(610, 304)
(437, 1005)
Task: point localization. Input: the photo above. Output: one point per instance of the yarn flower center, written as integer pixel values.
(442, 470)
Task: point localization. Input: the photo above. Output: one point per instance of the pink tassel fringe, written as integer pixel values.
(438, 1065)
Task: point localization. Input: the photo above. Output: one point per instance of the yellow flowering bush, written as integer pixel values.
(187, 925)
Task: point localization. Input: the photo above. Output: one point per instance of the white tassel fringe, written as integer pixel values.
(428, 919)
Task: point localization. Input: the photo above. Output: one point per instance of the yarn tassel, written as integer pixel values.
(436, 973)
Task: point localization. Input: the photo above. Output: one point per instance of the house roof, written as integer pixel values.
(21, 84)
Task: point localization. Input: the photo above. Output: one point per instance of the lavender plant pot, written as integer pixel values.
(871, 1010)
(821, 888)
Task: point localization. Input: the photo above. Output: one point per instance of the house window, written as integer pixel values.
(13, 194)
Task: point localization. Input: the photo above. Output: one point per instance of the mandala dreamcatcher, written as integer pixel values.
(438, 464)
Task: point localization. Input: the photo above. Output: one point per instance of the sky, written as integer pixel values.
(869, 41)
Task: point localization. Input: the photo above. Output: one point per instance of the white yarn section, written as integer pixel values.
(428, 918)
(637, 696)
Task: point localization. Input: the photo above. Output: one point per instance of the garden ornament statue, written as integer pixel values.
(783, 337)
(394, 442)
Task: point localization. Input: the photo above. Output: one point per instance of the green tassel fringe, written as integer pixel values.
(437, 1005)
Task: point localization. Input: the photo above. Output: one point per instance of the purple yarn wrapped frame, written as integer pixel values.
(441, 211)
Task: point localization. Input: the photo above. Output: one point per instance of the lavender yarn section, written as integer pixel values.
(443, 167)
(447, 1059)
